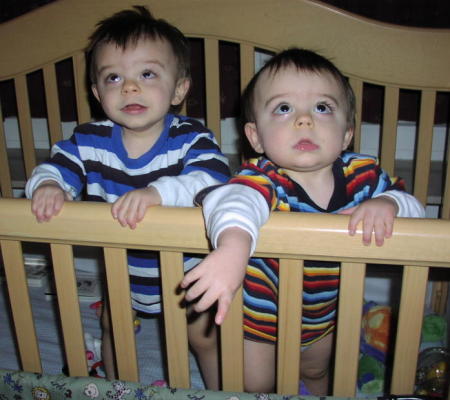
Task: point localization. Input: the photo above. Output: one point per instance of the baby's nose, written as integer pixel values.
(130, 86)
(304, 120)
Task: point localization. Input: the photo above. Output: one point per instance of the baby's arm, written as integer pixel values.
(220, 274)
(377, 214)
(233, 215)
(47, 201)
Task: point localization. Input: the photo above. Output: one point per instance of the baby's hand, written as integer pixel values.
(377, 216)
(219, 275)
(130, 208)
(47, 201)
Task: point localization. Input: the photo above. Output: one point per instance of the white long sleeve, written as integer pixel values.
(408, 205)
(179, 191)
(234, 205)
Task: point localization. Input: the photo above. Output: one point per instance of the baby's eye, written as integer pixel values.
(283, 108)
(323, 108)
(113, 78)
(148, 74)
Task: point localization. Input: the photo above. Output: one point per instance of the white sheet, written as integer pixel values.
(45, 315)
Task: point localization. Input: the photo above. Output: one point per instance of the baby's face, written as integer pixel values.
(301, 120)
(136, 85)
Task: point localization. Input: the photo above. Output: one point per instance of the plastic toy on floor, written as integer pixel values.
(374, 344)
(94, 356)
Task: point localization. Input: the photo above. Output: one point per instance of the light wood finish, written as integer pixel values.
(290, 300)
(5, 174)
(445, 210)
(175, 325)
(357, 86)
(212, 87)
(26, 130)
(365, 51)
(416, 243)
(439, 298)
(351, 292)
(389, 129)
(122, 319)
(424, 145)
(365, 48)
(247, 64)
(232, 349)
(69, 309)
(51, 97)
(81, 92)
(409, 329)
(20, 306)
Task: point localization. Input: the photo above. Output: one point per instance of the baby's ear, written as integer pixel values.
(251, 131)
(95, 91)
(181, 90)
(348, 136)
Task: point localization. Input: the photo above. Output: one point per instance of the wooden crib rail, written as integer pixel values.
(417, 244)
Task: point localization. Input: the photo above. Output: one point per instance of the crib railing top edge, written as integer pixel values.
(299, 235)
(376, 52)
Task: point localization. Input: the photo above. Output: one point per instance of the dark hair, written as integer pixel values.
(127, 27)
(304, 60)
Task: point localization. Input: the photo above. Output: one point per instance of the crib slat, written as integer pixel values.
(445, 211)
(5, 174)
(424, 145)
(389, 132)
(351, 292)
(79, 71)
(26, 130)
(232, 350)
(121, 316)
(247, 63)
(20, 305)
(412, 301)
(51, 98)
(357, 86)
(175, 324)
(290, 288)
(212, 87)
(69, 309)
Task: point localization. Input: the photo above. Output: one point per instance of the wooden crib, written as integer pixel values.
(398, 61)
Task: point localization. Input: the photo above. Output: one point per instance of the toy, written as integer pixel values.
(375, 327)
(433, 373)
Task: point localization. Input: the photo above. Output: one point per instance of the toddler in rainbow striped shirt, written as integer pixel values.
(299, 113)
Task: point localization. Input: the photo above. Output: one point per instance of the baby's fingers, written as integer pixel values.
(223, 306)
(353, 223)
(190, 277)
(368, 229)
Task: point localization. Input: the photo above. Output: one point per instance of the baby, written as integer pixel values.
(299, 116)
(143, 155)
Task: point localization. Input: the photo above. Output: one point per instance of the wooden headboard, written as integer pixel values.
(370, 53)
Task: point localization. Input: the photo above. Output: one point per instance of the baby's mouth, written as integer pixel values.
(133, 108)
(306, 145)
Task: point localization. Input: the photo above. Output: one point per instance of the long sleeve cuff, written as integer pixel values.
(234, 205)
(408, 205)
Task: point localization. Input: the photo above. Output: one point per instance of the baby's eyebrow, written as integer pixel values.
(275, 97)
(329, 96)
(157, 62)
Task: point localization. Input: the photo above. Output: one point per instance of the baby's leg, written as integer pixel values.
(314, 366)
(202, 334)
(107, 343)
(259, 367)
